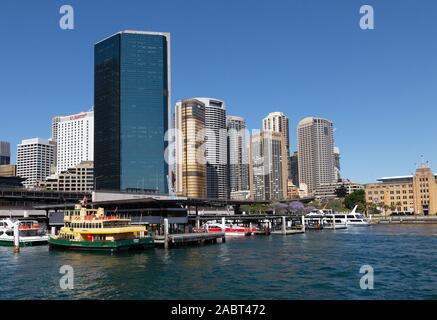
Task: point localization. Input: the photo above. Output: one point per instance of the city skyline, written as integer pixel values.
(365, 113)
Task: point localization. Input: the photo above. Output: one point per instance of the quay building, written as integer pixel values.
(411, 194)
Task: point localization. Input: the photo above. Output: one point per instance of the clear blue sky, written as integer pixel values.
(301, 57)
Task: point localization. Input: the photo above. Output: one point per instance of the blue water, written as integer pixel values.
(316, 265)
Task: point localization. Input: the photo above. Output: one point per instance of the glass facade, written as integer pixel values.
(5, 152)
(131, 112)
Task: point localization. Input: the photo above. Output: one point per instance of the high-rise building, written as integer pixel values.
(293, 173)
(74, 135)
(190, 162)
(55, 122)
(316, 153)
(268, 169)
(216, 148)
(278, 122)
(238, 154)
(337, 167)
(35, 158)
(131, 111)
(5, 152)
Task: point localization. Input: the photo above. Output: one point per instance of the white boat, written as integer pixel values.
(353, 219)
(328, 222)
(229, 229)
(30, 233)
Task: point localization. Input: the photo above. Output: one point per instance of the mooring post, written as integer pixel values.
(16, 237)
(53, 232)
(284, 230)
(197, 223)
(223, 224)
(303, 223)
(166, 233)
(333, 221)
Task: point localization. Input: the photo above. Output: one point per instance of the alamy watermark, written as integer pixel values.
(368, 279)
(66, 282)
(367, 21)
(66, 22)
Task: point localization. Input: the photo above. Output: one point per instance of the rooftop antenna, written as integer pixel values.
(423, 163)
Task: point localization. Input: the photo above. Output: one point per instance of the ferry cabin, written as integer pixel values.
(93, 225)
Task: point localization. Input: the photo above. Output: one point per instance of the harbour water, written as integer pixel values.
(315, 265)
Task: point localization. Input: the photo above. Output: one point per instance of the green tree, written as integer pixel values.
(358, 197)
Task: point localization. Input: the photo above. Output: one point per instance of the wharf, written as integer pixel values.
(189, 238)
(404, 220)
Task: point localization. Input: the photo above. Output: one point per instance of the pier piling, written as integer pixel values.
(303, 223)
(284, 226)
(16, 238)
(166, 233)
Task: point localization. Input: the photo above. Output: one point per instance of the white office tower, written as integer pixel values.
(35, 157)
(74, 135)
(316, 153)
(216, 148)
(238, 154)
(269, 174)
(278, 122)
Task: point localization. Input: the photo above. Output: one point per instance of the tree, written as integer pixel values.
(358, 197)
(341, 191)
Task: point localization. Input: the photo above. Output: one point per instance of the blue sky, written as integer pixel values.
(301, 57)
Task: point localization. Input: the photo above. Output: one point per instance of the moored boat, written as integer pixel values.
(30, 233)
(353, 219)
(230, 229)
(93, 229)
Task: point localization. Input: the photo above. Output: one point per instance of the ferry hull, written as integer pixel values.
(121, 245)
(7, 243)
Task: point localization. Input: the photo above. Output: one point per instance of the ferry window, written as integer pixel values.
(350, 216)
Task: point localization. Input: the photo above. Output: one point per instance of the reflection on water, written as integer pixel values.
(314, 265)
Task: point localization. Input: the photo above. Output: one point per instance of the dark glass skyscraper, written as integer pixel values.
(5, 152)
(131, 111)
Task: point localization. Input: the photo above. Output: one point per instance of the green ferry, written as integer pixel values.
(93, 229)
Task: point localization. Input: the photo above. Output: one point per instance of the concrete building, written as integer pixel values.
(74, 135)
(8, 170)
(78, 178)
(5, 152)
(316, 153)
(35, 159)
(268, 167)
(240, 195)
(278, 122)
(238, 154)
(216, 148)
(328, 190)
(190, 162)
(411, 194)
(337, 166)
(132, 111)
